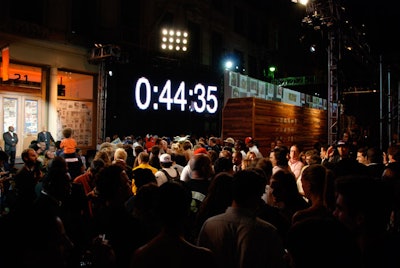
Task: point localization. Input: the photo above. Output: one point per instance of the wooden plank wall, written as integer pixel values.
(266, 121)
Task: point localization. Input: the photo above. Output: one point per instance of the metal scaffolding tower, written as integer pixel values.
(325, 16)
(101, 55)
(333, 89)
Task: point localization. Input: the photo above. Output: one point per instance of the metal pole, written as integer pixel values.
(389, 106)
(102, 100)
(105, 100)
(398, 113)
(380, 103)
(333, 107)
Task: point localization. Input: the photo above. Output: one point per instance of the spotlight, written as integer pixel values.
(172, 39)
(313, 48)
(228, 65)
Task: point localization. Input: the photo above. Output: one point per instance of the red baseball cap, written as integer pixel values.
(200, 150)
(248, 139)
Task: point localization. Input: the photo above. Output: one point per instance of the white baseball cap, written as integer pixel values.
(165, 158)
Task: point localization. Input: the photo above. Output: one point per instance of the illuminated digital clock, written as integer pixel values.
(199, 99)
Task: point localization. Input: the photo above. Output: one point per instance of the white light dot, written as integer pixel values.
(228, 64)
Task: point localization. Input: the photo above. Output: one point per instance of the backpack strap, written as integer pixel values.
(169, 176)
(166, 174)
(177, 173)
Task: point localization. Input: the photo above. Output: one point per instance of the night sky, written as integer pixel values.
(382, 24)
(382, 28)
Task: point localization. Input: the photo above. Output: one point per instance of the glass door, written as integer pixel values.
(21, 112)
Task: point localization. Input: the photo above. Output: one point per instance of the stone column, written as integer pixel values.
(53, 116)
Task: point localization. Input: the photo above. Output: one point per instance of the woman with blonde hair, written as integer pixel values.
(120, 156)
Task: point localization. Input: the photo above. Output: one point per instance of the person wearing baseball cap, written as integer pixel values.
(343, 149)
(200, 150)
(229, 141)
(229, 144)
(165, 158)
(252, 147)
(248, 140)
(342, 143)
(346, 164)
(167, 171)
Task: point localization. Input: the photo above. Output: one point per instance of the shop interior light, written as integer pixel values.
(303, 2)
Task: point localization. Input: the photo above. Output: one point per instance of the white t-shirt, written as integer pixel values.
(185, 175)
(162, 178)
(255, 150)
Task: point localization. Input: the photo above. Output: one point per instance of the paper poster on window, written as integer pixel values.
(10, 108)
(261, 89)
(243, 82)
(233, 79)
(31, 116)
(235, 92)
(271, 90)
(324, 104)
(303, 98)
(279, 93)
(309, 99)
(253, 87)
(291, 97)
(78, 116)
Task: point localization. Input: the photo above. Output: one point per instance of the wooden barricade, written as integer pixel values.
(266, 121)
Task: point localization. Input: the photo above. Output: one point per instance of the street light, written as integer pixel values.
(228, 65)
(271, 73)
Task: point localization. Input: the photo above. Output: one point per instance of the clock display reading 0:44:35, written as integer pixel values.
(200, 99)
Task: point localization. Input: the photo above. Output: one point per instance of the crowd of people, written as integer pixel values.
(196, 202)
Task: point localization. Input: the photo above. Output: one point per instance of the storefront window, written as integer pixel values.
(31, 117)
(75, 106)
(10, 108)
(75, 85)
